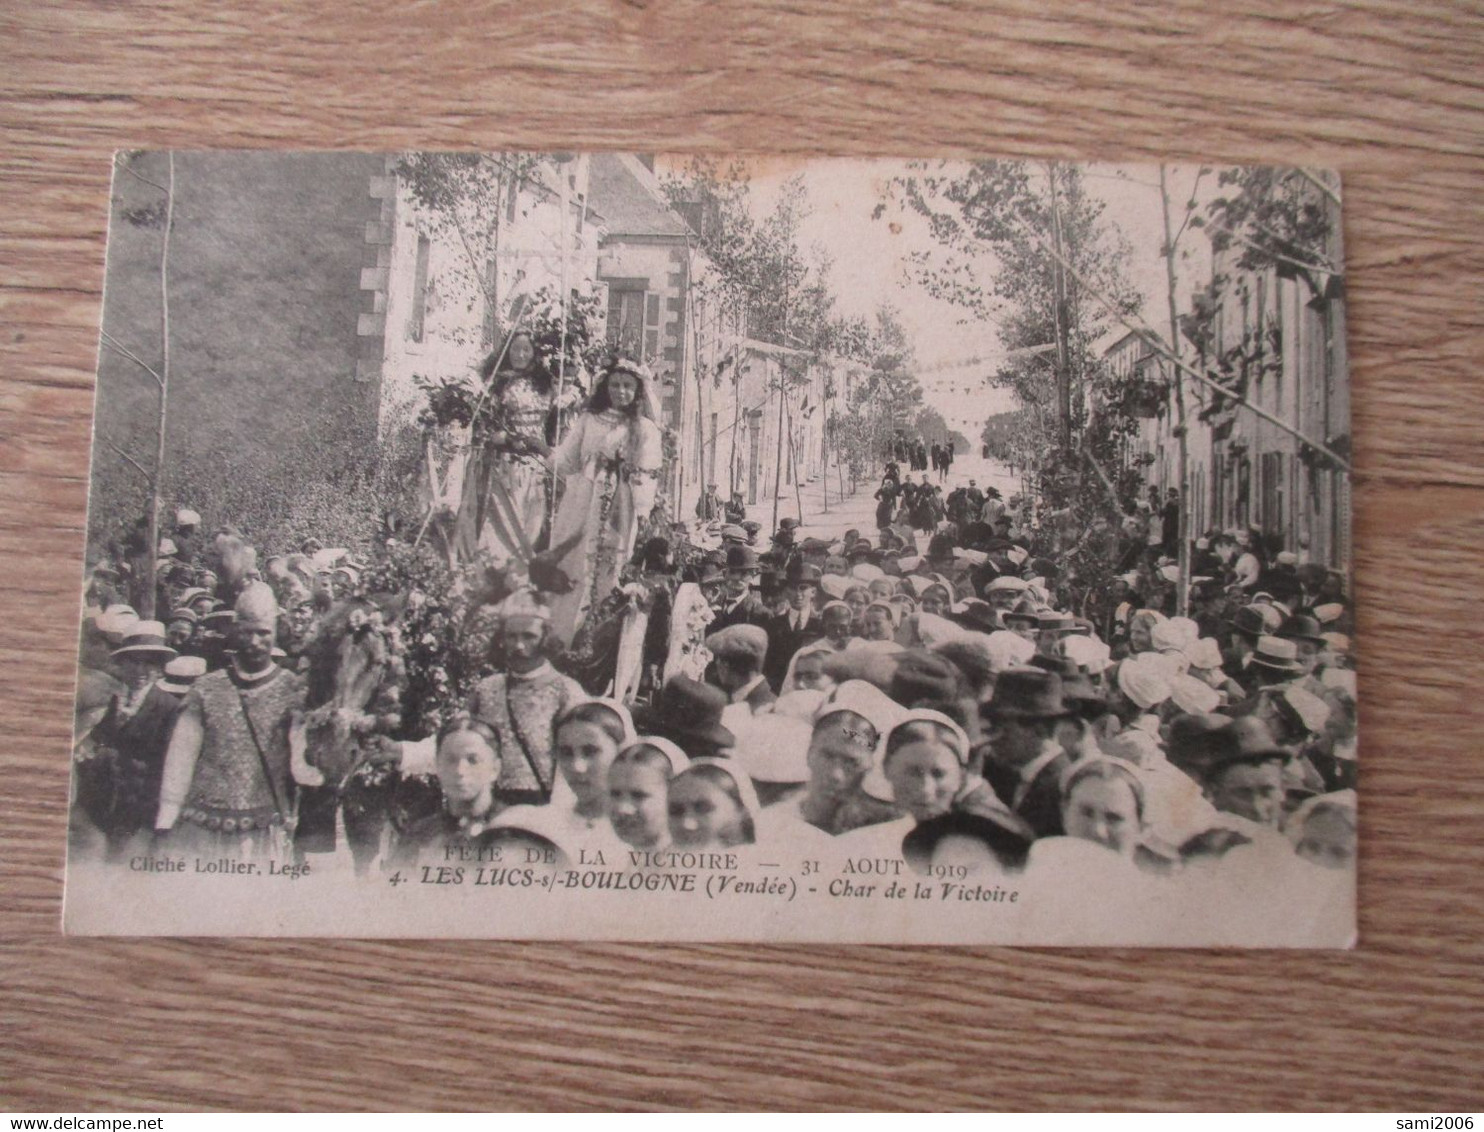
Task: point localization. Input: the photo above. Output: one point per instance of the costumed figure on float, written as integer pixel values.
(610, 462)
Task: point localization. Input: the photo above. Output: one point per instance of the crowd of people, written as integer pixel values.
(943, 689)
(921, 455)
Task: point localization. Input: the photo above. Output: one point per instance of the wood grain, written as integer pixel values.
(1388, 91)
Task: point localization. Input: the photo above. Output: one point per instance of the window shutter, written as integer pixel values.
(652, 329)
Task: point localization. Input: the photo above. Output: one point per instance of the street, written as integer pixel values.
(828, 518)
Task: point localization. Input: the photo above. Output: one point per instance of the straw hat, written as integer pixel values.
(146, 640)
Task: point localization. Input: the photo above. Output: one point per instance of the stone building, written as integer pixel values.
(1278, 334)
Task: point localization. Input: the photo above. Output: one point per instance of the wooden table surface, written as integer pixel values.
(1389, 91)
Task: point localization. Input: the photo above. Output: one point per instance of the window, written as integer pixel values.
(1273, 512)
(634, 319)
(626, 320)
(651, 326)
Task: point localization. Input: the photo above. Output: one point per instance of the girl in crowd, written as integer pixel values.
(467, 766)
(1141, 631)
(588, 736)
(842, 748)
(1323, 830)
(712, 805)
(806, 669)
(1103, 802)
(926, 761)
(859, 599)
(880, 623)
(838, 620)
(639, 788)
(936, 599)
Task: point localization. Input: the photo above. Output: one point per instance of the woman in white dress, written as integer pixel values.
(610, 462)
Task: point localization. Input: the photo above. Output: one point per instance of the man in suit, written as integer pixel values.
(740, 603)
(709, 507)
(1026, 762)
(739, 651)
(797, 625)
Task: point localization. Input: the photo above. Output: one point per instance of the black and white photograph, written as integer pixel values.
(629, 546)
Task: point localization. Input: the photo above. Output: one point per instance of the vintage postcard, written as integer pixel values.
(648, 547)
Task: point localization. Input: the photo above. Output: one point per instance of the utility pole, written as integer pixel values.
(778, 460)
(1059, 316)
(824, 458)
(1182, 592)
(782, 397)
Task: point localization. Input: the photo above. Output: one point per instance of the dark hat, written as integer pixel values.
(1189, 744)
(802, 574)
(977, 615)
(182, 614)
(1302, 627)
(655, 551)
(1027, 693)
(688, 709)
(1243, 740)
(1250, 619)
(1005, 834)
(940, 546)
(788, 524)
(815, 546)
(742, 558)
(1077, 688)
(709, 574)
(219, 620)
(1025, 616)
(750, 526)
(1311, 574)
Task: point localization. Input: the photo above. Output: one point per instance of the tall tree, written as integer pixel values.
(161, 212)
(1013, 243)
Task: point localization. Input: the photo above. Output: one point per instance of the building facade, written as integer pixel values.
(1277, 335)
(451, 281)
